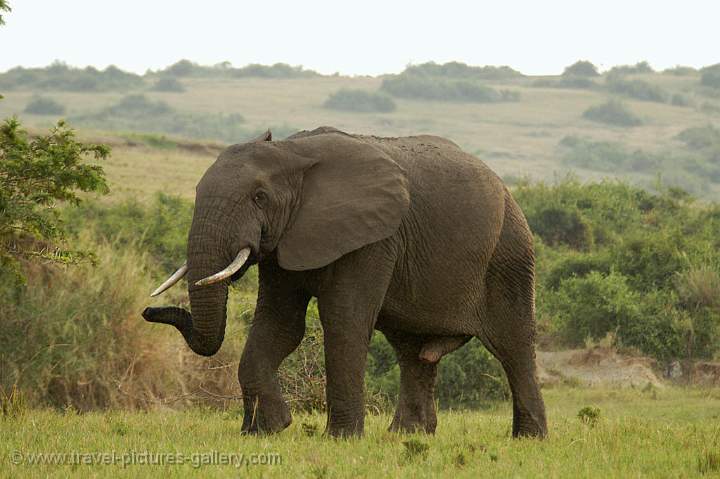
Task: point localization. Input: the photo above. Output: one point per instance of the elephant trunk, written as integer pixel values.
(204, 330)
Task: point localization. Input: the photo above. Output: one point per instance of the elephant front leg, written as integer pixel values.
(276, 331)
(348, 312)
(345, 357)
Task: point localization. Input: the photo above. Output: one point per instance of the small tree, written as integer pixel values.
(37, 173)
(581, 68)
(711, 76)
(4, 7)
(44, 106)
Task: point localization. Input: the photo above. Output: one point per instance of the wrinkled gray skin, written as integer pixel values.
(409, 236)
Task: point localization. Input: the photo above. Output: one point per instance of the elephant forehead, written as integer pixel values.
(230, 179)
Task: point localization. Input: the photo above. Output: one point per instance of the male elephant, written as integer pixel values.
(409, 236)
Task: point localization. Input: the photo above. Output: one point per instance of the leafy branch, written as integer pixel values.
(36, 175)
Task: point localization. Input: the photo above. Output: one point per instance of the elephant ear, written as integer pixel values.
(353, 196)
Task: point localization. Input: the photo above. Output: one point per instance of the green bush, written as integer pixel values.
(37, 174)
(168, 84)
(581, 68)
(569, 82)
(436, 88)
(612, 112)
(650, 262)
(138, 113)
(577, 265)
(710, 76)
(606, 156)
(680, 70)
(278, 70)
(44, 106)
(359, 101)
(470, 376)
(460, 70)
(638, 89)
(159, 229)
(638, 68)
(701, 138)
(592, 306)
(186, 68)
(650, 275)
(182, 68)
(60, 76)
(678, 99)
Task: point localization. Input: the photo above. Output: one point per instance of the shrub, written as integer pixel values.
(138, 113)
(139, 105)
(678, 99)
(638, 277)
(592, 306)
(460, 70)
(181, 68)
(581, 68)
(638, 89)
(680, 70)
(710, 76)
(700, 138)
(606, 156)
(558, 224)
(612, 112)
(75, 339)
(278, 70)
(36, 175)
(159, 229)
(168, 84)
(44, 106)
(434, 88)
(570, 82)
(577, 266)
(359, 101)
(589, 415)
(651, 262)
(60, 76)
(638, 68)
(470, 376)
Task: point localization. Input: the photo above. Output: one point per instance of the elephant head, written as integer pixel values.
(305, 201)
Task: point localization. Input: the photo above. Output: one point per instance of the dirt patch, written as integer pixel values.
(596, 367)
(706, 374)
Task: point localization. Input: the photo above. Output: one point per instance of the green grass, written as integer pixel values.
(665, 432)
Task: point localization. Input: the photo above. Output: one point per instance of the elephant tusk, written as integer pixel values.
(232, 268)
(176, 276)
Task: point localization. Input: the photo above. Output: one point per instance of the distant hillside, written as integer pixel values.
(629, 121)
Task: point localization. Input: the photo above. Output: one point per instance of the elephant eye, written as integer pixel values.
(261, 199)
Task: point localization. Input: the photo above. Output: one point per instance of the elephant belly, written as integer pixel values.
(450, 303)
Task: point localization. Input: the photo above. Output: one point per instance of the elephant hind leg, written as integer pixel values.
(508, 323)
(508, 334)
(416, 405)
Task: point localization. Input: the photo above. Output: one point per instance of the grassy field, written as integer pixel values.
(639, 433)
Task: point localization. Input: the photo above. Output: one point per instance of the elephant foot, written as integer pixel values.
(354, 429)
(414, 419)
(529, 424)
(265, 415)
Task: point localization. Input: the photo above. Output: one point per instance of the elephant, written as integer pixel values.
(409, 236)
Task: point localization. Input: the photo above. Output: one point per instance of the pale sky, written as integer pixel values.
(361, 37)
